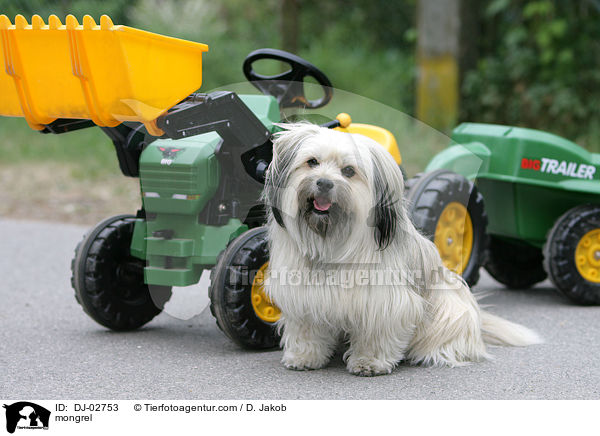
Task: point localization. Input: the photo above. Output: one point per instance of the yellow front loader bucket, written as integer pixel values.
(105, 73)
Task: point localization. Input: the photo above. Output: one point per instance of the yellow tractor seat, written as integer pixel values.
(379, 134)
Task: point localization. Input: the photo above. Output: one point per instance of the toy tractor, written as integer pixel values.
(200, 158)
(542, 208)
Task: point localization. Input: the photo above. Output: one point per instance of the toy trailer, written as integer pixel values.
(542, 205)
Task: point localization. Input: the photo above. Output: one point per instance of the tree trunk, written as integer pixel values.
(438, 42)
(289, 25)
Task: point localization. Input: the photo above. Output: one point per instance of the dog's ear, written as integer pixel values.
(285, 147)
(387, 186)
(277, 216)
(272, 194)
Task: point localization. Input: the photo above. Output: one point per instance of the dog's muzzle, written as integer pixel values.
(323, 205)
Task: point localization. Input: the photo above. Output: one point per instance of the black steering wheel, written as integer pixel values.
(287, 87)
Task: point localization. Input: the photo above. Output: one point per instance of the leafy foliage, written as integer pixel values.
(116, 9)
(539, 67)
(344, 39)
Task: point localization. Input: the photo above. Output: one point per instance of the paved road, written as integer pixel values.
(50, 349)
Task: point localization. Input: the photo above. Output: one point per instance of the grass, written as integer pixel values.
(88, 151)
(72, 177)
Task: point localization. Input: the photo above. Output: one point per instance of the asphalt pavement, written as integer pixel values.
(49, 349)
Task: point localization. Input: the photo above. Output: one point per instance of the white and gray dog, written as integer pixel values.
(336, 211)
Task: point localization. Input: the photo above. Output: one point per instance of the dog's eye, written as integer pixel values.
(312, 162)
(348, 171)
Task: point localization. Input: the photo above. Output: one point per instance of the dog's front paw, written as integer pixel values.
(366, 367)
(303, 362)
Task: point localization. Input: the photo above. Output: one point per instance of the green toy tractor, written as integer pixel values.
(201, 160)
(542, 208)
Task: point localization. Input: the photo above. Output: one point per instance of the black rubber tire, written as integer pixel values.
(109, 282)
(559, 254)
(230, 291)
(409, 184)
(427, 194)
(515, 264)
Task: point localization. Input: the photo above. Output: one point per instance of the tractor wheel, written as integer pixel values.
(238, 300)
(449, 210)
(572, 254)
(514, 264)
(109, 282)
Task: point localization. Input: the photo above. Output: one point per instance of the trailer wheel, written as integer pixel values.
(449, 210)
(109, 282)
(572, 254)
(238, 301)
(514, 264)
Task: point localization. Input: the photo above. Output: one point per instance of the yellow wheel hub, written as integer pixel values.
(454, 237)
(262, 304)
(587, 256)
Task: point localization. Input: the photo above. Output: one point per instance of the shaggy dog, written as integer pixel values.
(346, 263)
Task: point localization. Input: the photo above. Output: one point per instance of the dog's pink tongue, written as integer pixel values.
(321, 204)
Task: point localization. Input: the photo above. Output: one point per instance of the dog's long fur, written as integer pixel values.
(429, 318)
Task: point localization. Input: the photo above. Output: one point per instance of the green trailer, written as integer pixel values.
(542, 207)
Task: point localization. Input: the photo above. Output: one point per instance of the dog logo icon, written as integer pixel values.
(26, 415)
(169, 154)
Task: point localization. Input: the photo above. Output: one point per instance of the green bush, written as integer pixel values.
(539, 68)
(346, 40)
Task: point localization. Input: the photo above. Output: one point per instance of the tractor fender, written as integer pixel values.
(468, 160)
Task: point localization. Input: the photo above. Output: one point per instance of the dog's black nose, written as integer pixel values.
(324, 185)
